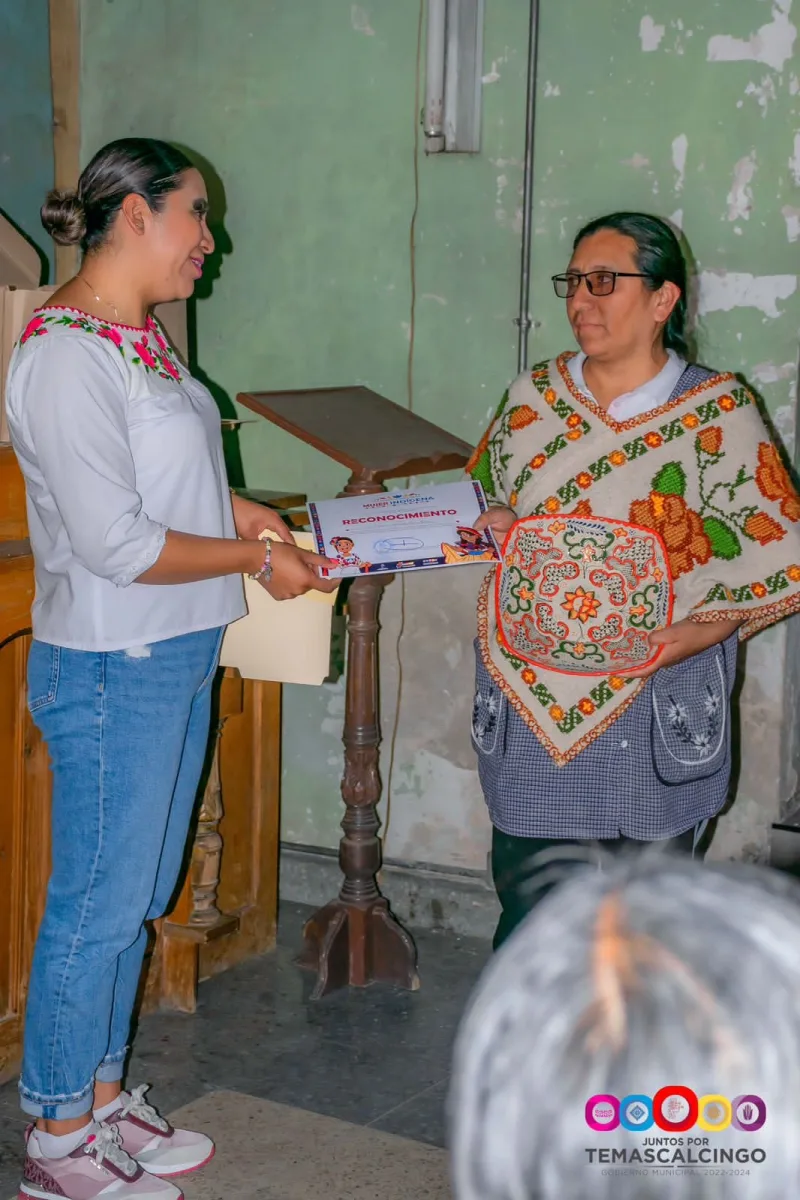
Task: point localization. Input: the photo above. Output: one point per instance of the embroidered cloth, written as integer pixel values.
(700, 472)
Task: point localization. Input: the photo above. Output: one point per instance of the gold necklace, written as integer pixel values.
(99, 299)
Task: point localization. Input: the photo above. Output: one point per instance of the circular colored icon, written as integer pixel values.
(602, 1113)
(636, 1112)
(749, 1113)
(675, 1109)
(714, 1113)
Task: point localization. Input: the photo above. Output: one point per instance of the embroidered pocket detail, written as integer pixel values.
(488, 711)
(690, 731)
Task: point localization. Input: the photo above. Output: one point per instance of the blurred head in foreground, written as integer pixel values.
(659, 975)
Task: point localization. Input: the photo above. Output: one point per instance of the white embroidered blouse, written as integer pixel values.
(117, 443)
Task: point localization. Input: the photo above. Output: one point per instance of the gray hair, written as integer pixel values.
(658, 971)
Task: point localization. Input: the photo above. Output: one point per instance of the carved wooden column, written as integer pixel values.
(207, 850)
(354, 939)
(196, 921)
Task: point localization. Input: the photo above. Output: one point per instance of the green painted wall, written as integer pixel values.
(307, 112)
(26, 117)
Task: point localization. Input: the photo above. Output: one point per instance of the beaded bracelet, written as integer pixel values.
(265, 573)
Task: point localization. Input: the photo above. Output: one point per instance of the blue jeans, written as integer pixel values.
(127, 733)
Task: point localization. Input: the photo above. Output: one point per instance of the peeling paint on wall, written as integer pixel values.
(723, 291)
(637, 161)
(764, 93)
(773, 373)
(794, 161)
(740, 197)
(772, 44)
(680, 147)
(650, 34)
(791, 216)
(359, 19)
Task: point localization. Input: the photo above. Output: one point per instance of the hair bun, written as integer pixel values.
(64, 217)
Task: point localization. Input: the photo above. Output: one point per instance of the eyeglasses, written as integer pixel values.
(598, 283)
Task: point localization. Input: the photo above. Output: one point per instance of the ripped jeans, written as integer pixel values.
(127, 733)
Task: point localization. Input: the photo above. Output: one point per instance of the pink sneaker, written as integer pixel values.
(152, 1141)
(99, 1167)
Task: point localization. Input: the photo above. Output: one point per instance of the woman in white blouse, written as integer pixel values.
(138, 571)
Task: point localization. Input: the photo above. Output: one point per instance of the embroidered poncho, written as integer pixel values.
(700, 471)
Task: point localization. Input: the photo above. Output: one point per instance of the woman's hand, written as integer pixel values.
(296, 571)
(498, 518)
(252, 519)
(683, 640)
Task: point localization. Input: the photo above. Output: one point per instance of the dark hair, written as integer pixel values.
(147, 167)
(659, 256)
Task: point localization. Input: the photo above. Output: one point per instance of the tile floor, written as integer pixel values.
(269, 1151)
(378, 1057)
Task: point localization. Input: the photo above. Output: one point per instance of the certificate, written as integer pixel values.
(386, 532)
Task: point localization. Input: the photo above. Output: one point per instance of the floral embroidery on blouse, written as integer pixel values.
(157, 357)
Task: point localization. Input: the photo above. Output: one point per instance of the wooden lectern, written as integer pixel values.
(354, 939)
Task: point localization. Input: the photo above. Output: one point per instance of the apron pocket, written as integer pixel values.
(691, 718)
(489, 708)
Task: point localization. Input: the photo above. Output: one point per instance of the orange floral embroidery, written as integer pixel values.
(762, 528)
(529, 677)
(556, 712)
(521, 417)
(550, 396)
(574, 420)
(727, 403)
(710, 439)
(617, 458)
(551, 504)
(479, 451)
(653, 440)
(574, 434)
(774, 482)
(690, 421)
(584, 480)
(794, 573)
(538, 461)
(581, 605)
(758, 589)
(512, 499)
(582, 509)
(586, 706)
(616, 682)
(680, 527)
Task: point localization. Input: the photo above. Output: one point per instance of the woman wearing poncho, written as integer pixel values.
(652, 511)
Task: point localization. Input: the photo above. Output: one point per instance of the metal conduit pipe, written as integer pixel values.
(523, 321)
(433, 119)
